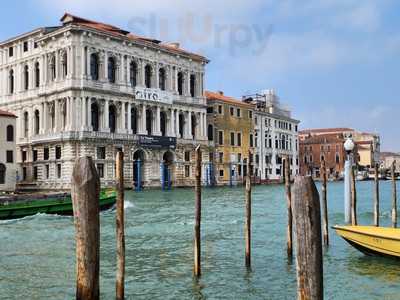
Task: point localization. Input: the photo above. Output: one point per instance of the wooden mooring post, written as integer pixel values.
(289, 231)
(394, 196)
(85, 191)
(247, 225)
(120, 227)
(324, 203)
(353, 197)
(197, 215)
(307, 220)
(376, 196)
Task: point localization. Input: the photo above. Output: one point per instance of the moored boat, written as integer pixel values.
(371, 240)
(61, 204)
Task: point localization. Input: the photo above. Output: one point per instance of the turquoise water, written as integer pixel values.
(37, 254)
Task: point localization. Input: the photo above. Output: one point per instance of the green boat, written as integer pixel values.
(12, 207)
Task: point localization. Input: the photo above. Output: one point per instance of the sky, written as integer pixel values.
(335, 63)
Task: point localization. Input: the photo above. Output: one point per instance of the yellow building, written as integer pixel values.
(230, 126)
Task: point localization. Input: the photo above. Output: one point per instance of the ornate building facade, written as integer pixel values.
(88, 88)
(275, 136)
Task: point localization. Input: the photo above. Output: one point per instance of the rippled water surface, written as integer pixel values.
(37, 254)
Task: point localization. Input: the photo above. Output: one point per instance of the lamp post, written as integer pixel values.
(349, 147)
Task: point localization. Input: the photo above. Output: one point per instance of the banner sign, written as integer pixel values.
(157, 142)
(154, 95)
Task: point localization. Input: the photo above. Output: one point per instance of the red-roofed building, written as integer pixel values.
(314, 144)
(89, 88)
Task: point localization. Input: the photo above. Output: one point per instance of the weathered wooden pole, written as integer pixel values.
(394, 196)
(247, 225)
(85, 190)
(324, 203)
(197, 215)
(307, 220)
(288, 191)
(120, 226)
(376, 198)
(353, 198)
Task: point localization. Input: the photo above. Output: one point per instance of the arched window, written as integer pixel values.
(26, 124)
(112, 118)
(111, 69)
(37, 74)
(94, 110)
(181, 124)
(147, 76)
(11, 81)
(65, 64)
(37, 121)
(192, 85)
(26, 78)
(94, 66)
(132, 73)
(2, 174)
(180, 83)
(194, 126)
(53, 68)
(163, 123)
(210, 132)
(52, 116)
(10, 133)
(133, 120)
(161, 79)
(149, 121)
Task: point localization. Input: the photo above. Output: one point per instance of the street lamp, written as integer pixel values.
(348, 147)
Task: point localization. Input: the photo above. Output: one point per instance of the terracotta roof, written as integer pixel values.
(71, 19)
(221, 97)
(322, 139)
(363, 142)
(325, 130)
(5, 113)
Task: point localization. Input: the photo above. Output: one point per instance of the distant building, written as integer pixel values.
(275, 136)
(230, 127)
(327, 144)
(387, 159)
(8, 170)
(317, 148)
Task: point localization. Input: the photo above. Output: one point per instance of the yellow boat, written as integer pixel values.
(371, 240)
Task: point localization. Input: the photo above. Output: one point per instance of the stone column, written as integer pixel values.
(106, 116)
(45, 117)
(105, 70)
(157, 76)
(143, 120)
(142, 68)
(129, 116)
(84, 113)
(57, 115)
(177, 124)
(42, 110)
(172, 122)
(123, 117)
(158, 121)
(57, 54)
(189, 127)
(89, 114)
(83, 62)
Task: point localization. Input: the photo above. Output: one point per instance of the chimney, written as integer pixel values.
(220, 93)
(174, 45)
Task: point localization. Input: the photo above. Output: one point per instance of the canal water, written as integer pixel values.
(37, 254)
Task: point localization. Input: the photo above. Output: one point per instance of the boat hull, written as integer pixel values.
(59, 206)
(371, 240)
